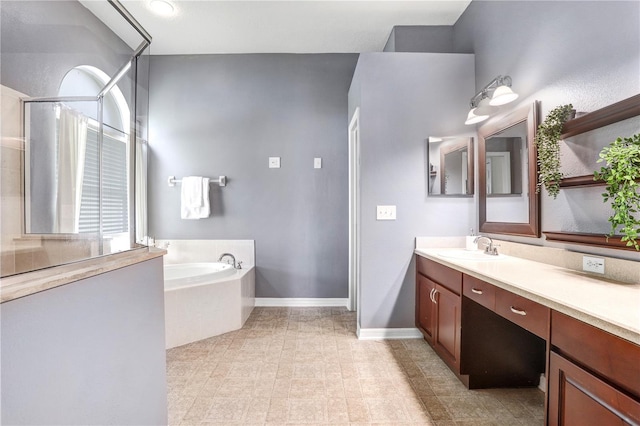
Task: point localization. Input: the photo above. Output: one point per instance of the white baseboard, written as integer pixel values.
(301, 302)
(388, 333)
(543, 383)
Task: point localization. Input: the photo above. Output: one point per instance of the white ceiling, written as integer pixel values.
(294, 26)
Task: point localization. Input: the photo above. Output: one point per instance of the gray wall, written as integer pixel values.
(582, 52)
(43, 40)
(216, 115)
(421, 38)
(403, 99)
(89, 352)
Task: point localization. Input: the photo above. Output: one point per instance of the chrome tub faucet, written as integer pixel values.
(237, 265)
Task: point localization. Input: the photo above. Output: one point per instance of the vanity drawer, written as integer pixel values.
(479, 291)
(616, 359)
(526, 313)
(443, 275)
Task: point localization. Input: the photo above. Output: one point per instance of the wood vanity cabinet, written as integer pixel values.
(438, 310)
(594, 376)
(503, 342)
(480, 346)
(425, 307)
(491, 337)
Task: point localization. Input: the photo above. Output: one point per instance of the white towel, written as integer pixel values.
(194, 197)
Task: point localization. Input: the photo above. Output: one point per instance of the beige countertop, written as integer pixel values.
(608, 305)
(28, 283)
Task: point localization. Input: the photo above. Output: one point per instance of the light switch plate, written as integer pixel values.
(385, 212)
(274, 162)
(317, 163)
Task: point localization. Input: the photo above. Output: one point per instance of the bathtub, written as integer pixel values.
(187, 274)
(203, 300)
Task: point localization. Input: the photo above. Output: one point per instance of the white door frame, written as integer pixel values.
(354, 212)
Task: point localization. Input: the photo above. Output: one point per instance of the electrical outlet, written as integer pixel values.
(593, 264)
(317, 163)
(385, 212)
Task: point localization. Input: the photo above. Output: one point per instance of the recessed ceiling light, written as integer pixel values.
(162, 7)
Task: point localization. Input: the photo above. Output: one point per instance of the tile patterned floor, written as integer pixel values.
(306, 366)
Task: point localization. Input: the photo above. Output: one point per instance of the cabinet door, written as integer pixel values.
(447, 319)
(578, 398)
(424, 308)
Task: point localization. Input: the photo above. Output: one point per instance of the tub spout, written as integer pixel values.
(233, 259)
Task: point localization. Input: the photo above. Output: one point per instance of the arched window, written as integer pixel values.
(86, 80)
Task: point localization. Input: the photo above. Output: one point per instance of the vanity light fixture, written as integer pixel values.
(472, 117)
(497, 92)
(485, 107)
(162, 7)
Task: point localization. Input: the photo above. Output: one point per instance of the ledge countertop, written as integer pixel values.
(608, 305)
(28, 283)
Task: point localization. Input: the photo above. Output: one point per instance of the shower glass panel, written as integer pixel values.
(74, 96)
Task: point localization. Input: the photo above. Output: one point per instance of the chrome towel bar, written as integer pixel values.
(220, 180)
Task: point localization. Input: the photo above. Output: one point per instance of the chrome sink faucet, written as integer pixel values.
(490, 248)
(233, 258)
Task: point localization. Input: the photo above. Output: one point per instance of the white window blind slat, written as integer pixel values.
(115, 208)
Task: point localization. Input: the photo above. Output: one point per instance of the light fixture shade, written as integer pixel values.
(484, 107)
(503, 95)
(472, 118)
(162, 7)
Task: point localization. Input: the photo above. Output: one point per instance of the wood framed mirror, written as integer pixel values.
(508, 202)
(451, 171)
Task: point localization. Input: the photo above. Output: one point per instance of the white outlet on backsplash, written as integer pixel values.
(593, 264)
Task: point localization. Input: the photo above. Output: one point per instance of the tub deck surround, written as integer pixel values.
(190, 251)
(28, 283)
(605, 304)
(197, 309)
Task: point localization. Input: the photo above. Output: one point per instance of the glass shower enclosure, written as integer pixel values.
(74, 130)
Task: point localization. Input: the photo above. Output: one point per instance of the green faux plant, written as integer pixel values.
(548, 149)
(621, 175)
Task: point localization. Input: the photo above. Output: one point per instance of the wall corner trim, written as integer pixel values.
(388, 333)
(301, 302)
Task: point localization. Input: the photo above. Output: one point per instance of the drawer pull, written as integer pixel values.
(433, 296)
(476, 291)
(518, 311)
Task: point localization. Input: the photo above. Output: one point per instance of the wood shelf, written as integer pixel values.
(576, 181)
(610, 114)
(599, 240)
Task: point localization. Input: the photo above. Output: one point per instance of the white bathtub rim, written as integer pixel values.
(196, 272)
(237, 275)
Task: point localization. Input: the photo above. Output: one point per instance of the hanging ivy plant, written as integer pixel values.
(621, 175)
(546, 142)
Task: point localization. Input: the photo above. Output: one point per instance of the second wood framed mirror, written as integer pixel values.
(508, 202)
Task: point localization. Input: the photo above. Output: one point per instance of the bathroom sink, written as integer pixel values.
(470, 255)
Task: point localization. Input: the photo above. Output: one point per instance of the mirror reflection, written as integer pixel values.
(505, 163)
(508, 203)
(450, 166)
